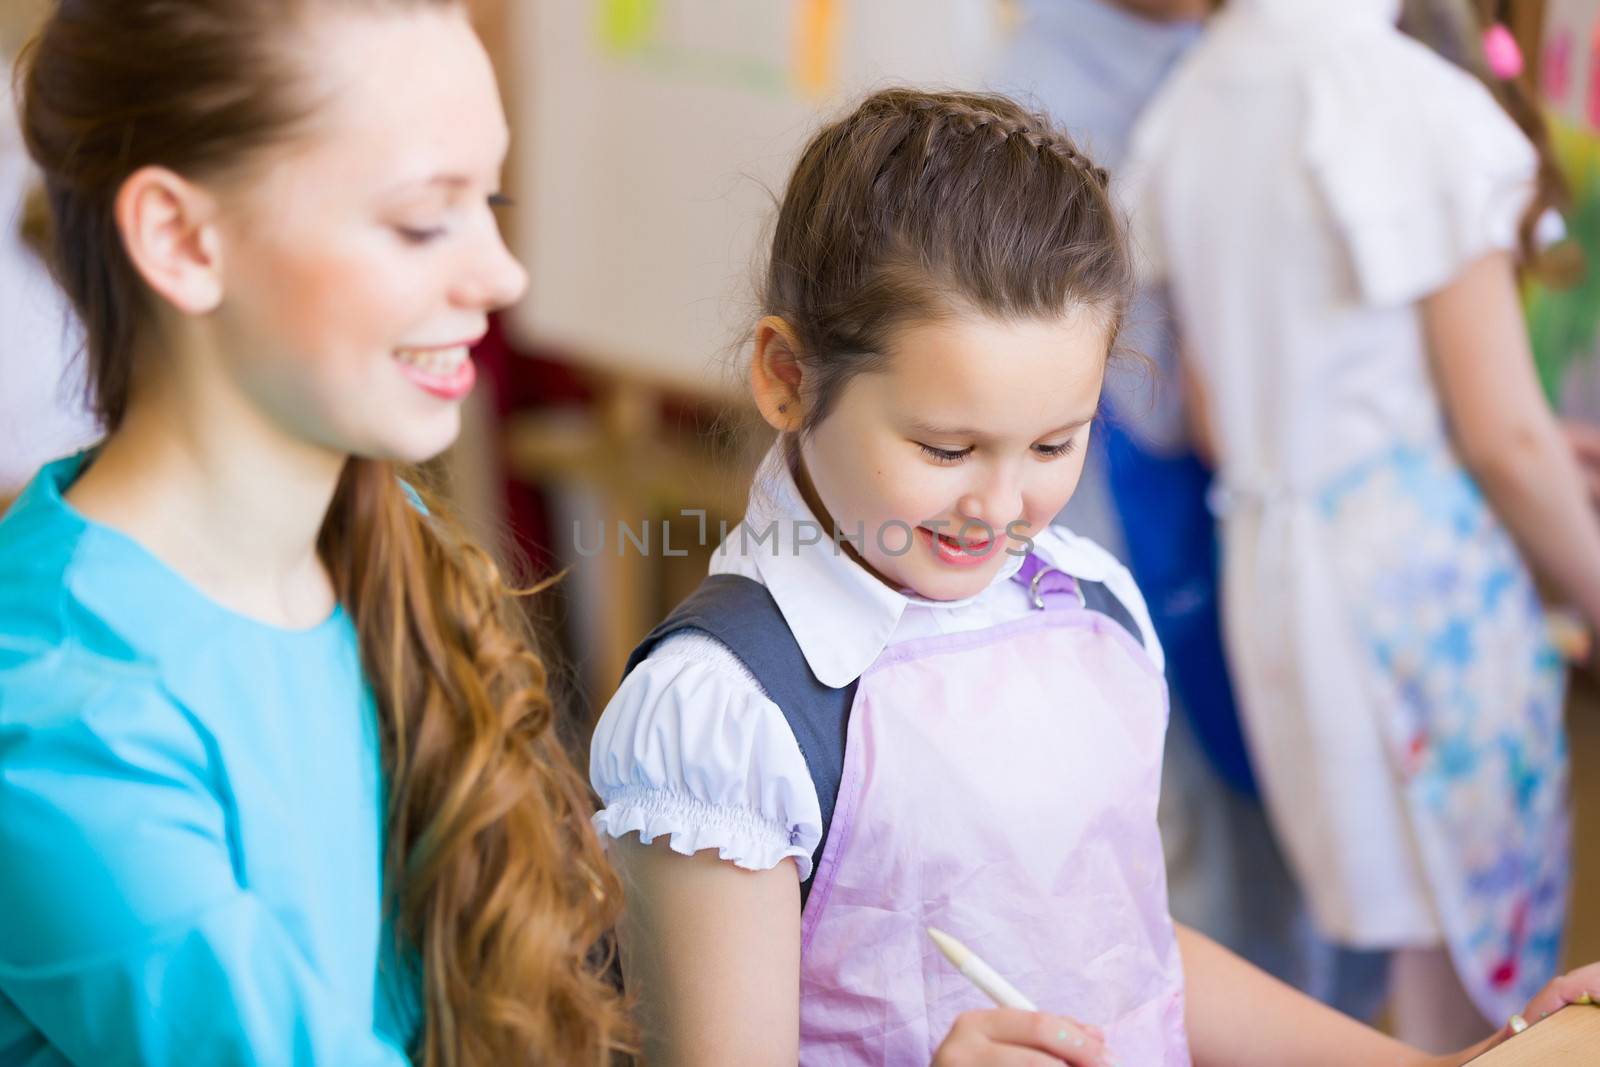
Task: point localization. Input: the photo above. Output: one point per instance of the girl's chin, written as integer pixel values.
(934, 581)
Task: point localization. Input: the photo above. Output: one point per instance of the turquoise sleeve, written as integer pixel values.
(125, 935)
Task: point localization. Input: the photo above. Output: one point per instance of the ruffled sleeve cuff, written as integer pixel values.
(691, 748)
(741, 836)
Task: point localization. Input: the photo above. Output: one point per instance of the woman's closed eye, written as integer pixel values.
(420, 235)
(423, 234)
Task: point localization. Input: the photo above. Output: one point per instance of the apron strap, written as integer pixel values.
(740, 613)
(1048, 586)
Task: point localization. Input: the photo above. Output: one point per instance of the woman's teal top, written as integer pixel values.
(191, 819)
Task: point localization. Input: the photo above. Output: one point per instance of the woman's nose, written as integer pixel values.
(493, 278)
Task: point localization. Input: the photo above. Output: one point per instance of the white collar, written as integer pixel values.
(841, 616)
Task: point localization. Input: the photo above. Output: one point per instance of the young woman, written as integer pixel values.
(278, 775)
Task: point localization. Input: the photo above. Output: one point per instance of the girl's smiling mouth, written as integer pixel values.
(956, 551)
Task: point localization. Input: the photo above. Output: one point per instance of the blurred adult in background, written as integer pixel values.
(1339, 214)
(43, 411)
(1094, 65)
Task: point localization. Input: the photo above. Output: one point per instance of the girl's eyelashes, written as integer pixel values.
(499, 200)
(1055, 451)
(944, 455)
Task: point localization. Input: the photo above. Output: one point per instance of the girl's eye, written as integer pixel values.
(499, 200)
(944, 455)
(1054, 451)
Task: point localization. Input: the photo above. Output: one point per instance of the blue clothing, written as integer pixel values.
(191, 819)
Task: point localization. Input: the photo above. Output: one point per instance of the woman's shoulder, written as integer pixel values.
(64, 659)
(41, 550)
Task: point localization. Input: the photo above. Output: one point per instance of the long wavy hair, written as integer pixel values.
(494, 877)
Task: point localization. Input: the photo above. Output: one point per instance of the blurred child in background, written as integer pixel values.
(1339, 215)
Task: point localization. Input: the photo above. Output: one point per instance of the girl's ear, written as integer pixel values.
(168, 228)
(776, 374)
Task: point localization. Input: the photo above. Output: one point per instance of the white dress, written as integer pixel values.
(1304, 180)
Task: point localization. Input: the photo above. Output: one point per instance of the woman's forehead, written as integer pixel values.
(404, 88)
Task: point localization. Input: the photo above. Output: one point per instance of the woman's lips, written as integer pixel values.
(447, 373)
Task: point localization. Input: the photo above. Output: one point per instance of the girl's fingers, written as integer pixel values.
(1064, 1039)
(1013, 1056)
(1021, 1039)
(1579, 987)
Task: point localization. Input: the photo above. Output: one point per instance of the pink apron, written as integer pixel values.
(1000, 785)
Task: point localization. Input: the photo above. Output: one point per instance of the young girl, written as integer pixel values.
(1336, 211)
(278, 777)
(903, 700)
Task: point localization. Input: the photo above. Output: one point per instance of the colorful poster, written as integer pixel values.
(780, 48)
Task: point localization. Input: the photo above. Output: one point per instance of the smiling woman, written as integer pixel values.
(278, 768)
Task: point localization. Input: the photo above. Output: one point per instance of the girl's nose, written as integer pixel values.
(995, 503)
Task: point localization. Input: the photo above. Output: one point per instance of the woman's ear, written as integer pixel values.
(168, 226)
(776, 375)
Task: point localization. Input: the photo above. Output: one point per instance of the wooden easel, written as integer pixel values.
(643, 470)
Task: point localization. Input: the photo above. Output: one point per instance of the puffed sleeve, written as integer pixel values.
(1421, 169)
(692, 748)
(125, 938)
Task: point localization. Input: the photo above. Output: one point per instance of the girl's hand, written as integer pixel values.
(1006, 1037)
(1580, 987)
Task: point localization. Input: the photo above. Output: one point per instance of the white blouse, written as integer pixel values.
(692, 747)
